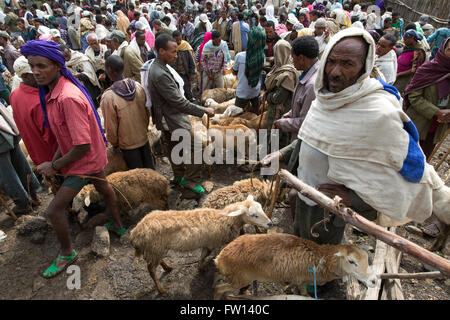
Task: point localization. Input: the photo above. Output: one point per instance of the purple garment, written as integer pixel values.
(51, 50)
(11, 54)
(125, 89)
(301, 102)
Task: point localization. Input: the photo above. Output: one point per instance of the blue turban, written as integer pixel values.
(413, 34)
(51, 50)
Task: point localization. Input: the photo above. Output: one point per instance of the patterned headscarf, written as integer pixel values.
(254, 60)
(51, 50)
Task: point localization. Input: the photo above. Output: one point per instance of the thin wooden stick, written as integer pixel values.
(438, 145)
(274, 196)
(436, 167)
(350, 216)
(5, 204)
(207, 144)
(418, 275)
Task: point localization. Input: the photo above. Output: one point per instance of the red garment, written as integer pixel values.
(131, 15)
(73, 123)
(40, 142)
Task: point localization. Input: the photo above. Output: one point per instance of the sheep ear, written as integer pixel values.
(250, 197)
(338, 254)
(87, 201)
(238, 212)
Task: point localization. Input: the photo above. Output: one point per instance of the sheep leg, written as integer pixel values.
(244, 289)
(204, 254)
(220, 289)
(152, 270)
(165, 266)
(442, 238)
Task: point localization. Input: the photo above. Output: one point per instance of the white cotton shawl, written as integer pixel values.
(79, 61)
(270, 15)
(360, 129)
(387, 65)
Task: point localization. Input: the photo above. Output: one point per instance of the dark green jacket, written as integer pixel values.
(423, 106)
(167, 100)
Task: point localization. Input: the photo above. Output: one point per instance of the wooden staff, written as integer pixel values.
(438, 145)
(350, 216)
(436, 167)
(5, 204)
(418, 275)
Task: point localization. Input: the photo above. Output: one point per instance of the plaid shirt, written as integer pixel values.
(188, 31)
(214, 62)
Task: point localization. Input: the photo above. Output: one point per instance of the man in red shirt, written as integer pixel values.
(70, 113)
(40, 142)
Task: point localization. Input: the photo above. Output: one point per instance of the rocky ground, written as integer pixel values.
(114, 273)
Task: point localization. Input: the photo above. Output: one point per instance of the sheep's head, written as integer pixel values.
(252, 213)
(83, 198)
(354, 261)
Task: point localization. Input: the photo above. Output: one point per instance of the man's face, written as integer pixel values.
(289, 26)
(209, 6)
(313, 17)
(170, 55)
(387, 23)
(223, 15)
(167, 22)
(297, 61)
(216, 41)
(45, 71)
(141, 40)
(269, 32)
(93, 43)
(319, 31)
(178, 39)
(158, 27)
(21, 25)
(186, 19)
(345, 64)
(447, 50)
(383, 47)
(67, 54)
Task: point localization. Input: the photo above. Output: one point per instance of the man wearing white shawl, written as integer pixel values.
(359, 144)
(386, 58)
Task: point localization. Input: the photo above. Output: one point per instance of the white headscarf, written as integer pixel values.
(270, 15)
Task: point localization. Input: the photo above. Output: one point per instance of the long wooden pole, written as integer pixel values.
(350, 216)
(418, 275)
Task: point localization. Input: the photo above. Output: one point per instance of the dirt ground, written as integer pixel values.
(122, 276)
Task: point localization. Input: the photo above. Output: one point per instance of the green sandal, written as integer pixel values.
(110, 227)
(176, 181)
(197, 189)
(53, 270)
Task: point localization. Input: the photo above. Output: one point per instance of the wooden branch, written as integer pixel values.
(367, 226)
(5, 204)
(438, 145)
(444, 157)
(418, 275)
(378, 266)
(392, 288)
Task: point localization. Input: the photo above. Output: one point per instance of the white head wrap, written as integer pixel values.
(21, 66)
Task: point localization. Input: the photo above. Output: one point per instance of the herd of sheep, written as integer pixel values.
(218, 224)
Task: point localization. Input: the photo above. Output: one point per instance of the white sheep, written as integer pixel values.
(218, 94)
(136, 186)
(238, 191)
(161, 231)
(278, 257)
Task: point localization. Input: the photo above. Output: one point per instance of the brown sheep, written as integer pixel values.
(278, 257)
(116, 161)
(161, 231)
(248, 119)
(137, 186)
(219, 95)
(239, 191)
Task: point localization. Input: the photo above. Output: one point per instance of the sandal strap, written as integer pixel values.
(68, 258)
(52, 270)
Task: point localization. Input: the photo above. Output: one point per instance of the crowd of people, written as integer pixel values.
(360, 97)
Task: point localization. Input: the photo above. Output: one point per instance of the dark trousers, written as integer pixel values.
(243, 103)
(139, 157)
(187, 87)
(15, 171)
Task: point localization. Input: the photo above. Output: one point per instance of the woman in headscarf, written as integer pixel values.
(280, 85)
(411, 58)
(270, 15)
(427, 104)
(123, 23)
(303, 19)
(198, 55)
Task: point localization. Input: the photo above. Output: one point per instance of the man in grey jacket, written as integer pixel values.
(170, 104)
